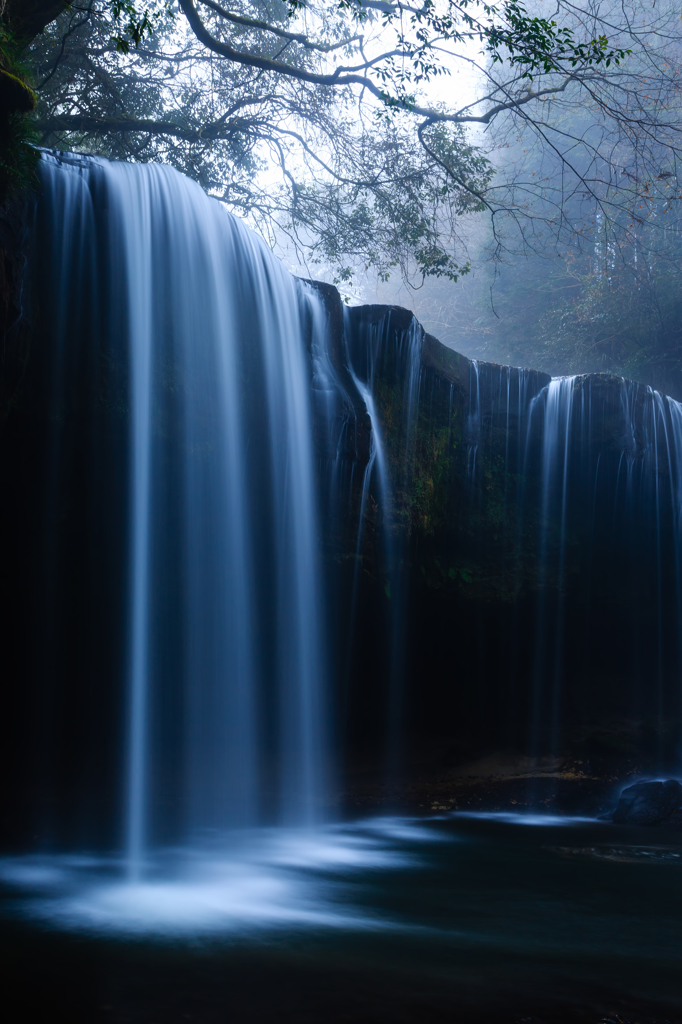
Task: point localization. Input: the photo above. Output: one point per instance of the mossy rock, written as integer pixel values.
(15, 95)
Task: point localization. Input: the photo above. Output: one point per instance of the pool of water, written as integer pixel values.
(448, 918)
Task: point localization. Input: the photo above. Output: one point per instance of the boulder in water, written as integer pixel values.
(648, 803)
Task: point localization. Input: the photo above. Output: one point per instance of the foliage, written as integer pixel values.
(535, 44)
(18, 156)
(609, 304)
(318, 121)
(350, 198)
(574, 314)
(624, 319)
(596, 284)
(134, 23)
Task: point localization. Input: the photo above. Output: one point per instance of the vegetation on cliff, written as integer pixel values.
(18, 156)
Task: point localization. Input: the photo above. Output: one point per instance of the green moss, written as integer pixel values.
(18, 155)
(16, 96)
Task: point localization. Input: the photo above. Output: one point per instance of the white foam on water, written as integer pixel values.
(525, 818)
(259, 879)
(243, 881)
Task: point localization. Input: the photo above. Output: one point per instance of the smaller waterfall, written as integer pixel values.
(653, 493)
(557, 400)
(400, 362)
(473, 420)
(634, 502)
(499, 398)
(377, 456)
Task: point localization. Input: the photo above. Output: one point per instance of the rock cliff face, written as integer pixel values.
(14, 312)
(514, 586)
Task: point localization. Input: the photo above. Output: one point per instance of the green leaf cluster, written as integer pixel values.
(133, 22)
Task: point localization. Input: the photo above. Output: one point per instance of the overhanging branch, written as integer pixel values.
(121, 125)
(264, 26)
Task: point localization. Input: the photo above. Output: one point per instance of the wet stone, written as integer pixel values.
(649, 803)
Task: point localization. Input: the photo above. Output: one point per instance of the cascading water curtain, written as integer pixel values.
(609, 499)
(226, 663)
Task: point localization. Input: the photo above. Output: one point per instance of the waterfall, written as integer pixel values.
(382, 348)
(226, 664)
(261, 515)
(556, 438)
(473, 420)
(573, 509)
(621, 506)
(377, 456)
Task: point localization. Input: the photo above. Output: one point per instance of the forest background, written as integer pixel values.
(509, 173)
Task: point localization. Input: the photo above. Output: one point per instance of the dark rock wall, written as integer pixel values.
(15, 325)
(541, 608)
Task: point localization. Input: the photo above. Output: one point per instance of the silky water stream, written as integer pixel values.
(188, 861)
